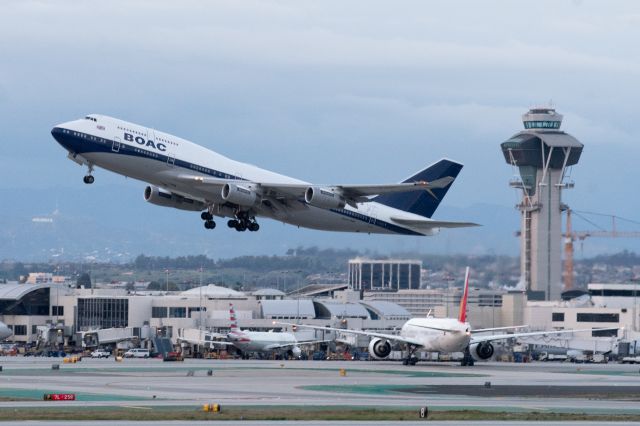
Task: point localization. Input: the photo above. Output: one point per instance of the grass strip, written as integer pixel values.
(290, 413)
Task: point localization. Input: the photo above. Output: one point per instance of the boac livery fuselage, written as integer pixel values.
(190, 177)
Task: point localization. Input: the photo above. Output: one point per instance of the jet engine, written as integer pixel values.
(161, 197)
(239, 195)
(324, 198)
(295, 352)
(482, 350)
(379, 348)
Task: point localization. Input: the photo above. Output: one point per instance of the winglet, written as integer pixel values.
(463, 303)
(232, 318)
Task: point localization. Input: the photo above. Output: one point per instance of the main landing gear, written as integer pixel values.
(208, 220)
(411, 359)
(467, 359)
(243, 222)
(88, 179)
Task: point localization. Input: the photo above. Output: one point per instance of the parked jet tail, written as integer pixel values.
(423, 203)
(465, 295)
(232, 318)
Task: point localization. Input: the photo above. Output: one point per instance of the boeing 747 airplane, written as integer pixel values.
(190, 177)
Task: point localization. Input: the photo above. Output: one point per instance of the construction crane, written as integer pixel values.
(571, 236)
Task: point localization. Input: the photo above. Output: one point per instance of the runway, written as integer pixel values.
(544, 387)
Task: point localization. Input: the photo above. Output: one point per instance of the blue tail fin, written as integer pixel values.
(422, 202)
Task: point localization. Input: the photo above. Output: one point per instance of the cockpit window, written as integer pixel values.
(91, 118)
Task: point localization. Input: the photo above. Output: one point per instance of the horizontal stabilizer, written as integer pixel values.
(428, 224)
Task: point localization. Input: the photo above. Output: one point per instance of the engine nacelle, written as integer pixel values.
(161, 197)
(324, 198)
(379, 348)
(295, 352)
(482, 350)
(240, 195)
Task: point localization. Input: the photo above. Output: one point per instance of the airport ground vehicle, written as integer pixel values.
(631, 360)
(100, 353)
(137, 353)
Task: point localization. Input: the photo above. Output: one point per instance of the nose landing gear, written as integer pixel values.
(88, 179)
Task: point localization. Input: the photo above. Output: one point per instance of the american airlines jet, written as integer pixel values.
(443, 335)
(262, 341)
(187, 176)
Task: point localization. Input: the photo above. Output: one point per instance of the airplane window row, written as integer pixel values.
(166, 141)
(147, 153)
(132, 131)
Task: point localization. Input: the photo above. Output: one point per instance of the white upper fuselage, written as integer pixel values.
(260, 341)
(436, 340)
(160, 158)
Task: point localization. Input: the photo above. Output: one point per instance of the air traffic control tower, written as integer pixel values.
(541, 155)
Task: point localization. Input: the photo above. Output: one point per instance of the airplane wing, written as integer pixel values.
(486, 330)
(392, 337)
(292, 344)
(351, 193)
(418, 223)
(479, 339)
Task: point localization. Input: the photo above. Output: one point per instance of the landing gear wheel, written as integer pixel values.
(209, 224)
(241, 227)
(413, 361)
(253, 227)
(405, 362)
(206, 216)
(88, 179)
(467, 359)
(232, 223)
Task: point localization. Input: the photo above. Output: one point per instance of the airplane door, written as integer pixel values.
(116, 144)
(171, 158)
(371, 212)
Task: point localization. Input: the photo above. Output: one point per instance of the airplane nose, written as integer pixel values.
(5, 332)
(57, 132)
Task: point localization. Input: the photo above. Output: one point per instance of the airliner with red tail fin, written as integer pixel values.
(263, 341)
(441, 335)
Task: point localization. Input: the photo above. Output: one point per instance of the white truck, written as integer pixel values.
(100, 353)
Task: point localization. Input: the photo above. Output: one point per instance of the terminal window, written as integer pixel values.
(20, 330)
(57, 310)
(605, 333)
(594, 317)
(159, 312)
(557, 316)
(102, 313)
(177, 312)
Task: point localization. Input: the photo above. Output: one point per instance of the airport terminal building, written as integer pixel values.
(64, 315)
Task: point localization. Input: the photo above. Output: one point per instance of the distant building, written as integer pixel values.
(384, 275)
(44, 277)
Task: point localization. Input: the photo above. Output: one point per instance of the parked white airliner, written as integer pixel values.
(5, 331)
(443, 335)
(187, 176)
(262, 341)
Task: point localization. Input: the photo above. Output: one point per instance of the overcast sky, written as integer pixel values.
(330, 91)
